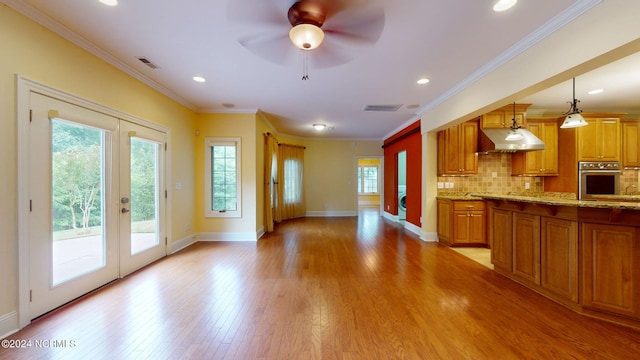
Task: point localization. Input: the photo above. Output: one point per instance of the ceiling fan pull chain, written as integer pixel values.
(305, 66)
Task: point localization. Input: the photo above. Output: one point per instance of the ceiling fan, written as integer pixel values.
(331, 31)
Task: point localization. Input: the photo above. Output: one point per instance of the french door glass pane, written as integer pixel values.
(78, 245)
(144, 195)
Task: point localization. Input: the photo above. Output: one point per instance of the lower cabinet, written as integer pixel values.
(611, 269)
(500, 239)
(462, 222)
(537, 250)
(559, 257)
(526, 247)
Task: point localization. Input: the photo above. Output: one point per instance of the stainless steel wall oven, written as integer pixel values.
(598, 178)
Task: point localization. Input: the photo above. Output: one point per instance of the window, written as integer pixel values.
(222, 177)
(367, 179)
(292, 185)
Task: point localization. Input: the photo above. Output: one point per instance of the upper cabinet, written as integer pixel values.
(457, 149)
(503, 117)
(541, 162)
(600, 140)
(631, 144)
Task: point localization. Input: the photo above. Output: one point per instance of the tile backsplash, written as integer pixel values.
(494, 175)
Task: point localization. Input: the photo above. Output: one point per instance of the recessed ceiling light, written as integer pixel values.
(423, 81)
(319, 127)
(228, 105)
(109, 2)
(502, 5)
(199, 79)
(595, 91)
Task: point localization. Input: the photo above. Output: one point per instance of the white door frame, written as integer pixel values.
(24, 87)
(380, 178)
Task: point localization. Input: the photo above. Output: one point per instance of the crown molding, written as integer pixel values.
(557, 22)
(66, 33)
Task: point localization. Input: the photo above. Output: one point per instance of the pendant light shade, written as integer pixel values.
(573, 119)
(514, 134)
(306, 36)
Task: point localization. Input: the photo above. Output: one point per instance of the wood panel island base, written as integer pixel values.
(582, 254)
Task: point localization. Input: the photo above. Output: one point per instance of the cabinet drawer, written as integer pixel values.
(468, 205)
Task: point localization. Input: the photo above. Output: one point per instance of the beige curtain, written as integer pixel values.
(270, 182)
(290, 180)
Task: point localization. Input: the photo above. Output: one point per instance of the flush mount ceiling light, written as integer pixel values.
(502, 5)
(573, 119)
(199, 79)
(595, 91)
(514, 134)
(109, 2)
(306, 17)
(423, 81)
(319, 127)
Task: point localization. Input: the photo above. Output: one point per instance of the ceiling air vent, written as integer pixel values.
(381, 107)
(147, 62)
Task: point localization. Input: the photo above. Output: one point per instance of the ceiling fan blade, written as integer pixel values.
(329, 54)
(274, 47)
(259, 12)
(357, 25)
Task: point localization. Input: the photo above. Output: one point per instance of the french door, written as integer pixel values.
(96, 200)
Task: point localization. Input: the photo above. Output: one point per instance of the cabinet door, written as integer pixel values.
(477, 227)
(549, 160)
(500, 239)
(534, 160)
(609, 133)
(494, 119)
(526, 246)
(469, 147)
(611, 269)
(631, 144)
(461, 221)
(559, 257)
(588, 145)
(444, 220)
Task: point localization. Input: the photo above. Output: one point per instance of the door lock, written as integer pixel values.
(124, 210)
(124, 200)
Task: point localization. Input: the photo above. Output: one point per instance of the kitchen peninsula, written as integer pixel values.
(582, 254)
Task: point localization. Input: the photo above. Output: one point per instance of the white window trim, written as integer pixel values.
(208, 142)
(362, 179)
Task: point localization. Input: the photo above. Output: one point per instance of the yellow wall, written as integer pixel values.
(330, 173)
(244, 126)
(36, 53)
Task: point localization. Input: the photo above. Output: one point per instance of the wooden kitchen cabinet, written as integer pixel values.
(600, 140)
(500, 238)
(631, 144)
(462, 222)
(503, 117)
(457, 149)
(559, 257)
(611, 269)
(526, 247)
(541, 162)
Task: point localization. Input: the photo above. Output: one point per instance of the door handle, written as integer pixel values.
(124, 210)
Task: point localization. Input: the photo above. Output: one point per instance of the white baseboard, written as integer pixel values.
(414, 229)
(228, 236)
(331, 213)
(8, 324)
(391, 217)
(430, 237)
(180, 244)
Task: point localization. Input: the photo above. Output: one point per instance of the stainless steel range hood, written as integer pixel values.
(493, 141)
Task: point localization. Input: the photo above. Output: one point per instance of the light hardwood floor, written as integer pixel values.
(330, 288)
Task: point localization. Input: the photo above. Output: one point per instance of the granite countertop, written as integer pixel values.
(625, 202)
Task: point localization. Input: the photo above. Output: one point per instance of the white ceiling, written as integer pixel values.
(450, 42)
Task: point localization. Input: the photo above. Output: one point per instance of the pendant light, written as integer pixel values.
(514, 134)
(573, 119)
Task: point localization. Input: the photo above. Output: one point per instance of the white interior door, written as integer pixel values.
(73, 220)
(142, 196)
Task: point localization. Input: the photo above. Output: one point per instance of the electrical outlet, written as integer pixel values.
(450, 185)
(494, 174)
(527, 186)
(440, 185)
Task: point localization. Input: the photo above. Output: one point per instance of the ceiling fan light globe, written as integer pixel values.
(573, 120)
(306, 36)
